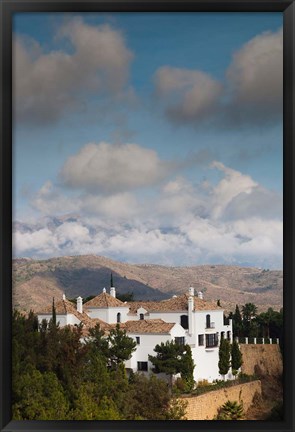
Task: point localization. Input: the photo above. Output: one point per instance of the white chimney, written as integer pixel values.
(191, 291)
(79, 305)
(190, 315)
(200, 295)
(104, 290)
(113, 292)
(63, 296)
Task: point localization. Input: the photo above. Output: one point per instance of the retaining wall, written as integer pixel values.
(205, 407)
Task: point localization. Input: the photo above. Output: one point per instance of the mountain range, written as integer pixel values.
(36, 282)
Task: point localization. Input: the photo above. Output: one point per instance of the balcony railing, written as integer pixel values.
(210, 326)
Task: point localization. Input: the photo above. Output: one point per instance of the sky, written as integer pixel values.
(149, 137)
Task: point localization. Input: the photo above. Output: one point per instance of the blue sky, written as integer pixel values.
(149, 137)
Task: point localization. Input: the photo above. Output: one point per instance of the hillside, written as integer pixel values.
(35, 282)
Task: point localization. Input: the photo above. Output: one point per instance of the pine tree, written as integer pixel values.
(121, 346)
(173, 358)
(236, 358)
(112, 283)
(224, 357)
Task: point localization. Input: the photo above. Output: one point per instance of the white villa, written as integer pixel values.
(186, 319)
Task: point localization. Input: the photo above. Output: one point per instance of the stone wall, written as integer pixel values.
(205, 407)
(262, 360)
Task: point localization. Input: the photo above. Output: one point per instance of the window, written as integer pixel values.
(222, 335)
(208, 321)
(118, 317)
(201, 340)
(180, 340)
(137, 340)
(228, 335)
(141, 316)
(142, 366)
(184, 321)
(211, 340)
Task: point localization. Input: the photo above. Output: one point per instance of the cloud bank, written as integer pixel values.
(234, 221)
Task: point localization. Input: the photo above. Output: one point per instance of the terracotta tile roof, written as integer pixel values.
(174, 304)
(105, 300)
(146, 326)
(64, 307)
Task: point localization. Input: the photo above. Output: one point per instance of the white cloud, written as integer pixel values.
(235, 221)
(233, 184)
(113, 168)
(49, 84)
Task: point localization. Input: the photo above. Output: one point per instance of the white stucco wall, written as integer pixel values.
(109, 315)
(148, 343)
(63, 320)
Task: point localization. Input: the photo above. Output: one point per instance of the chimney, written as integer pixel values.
(190, 315)
(200, 295)
(63, 297)
(79, 305)
(191, 291)
(113, 292)
(104, 290)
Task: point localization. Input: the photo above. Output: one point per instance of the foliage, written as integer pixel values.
(236, 357)
(224, 357)
(128, 297)
(277, 413)
(121, 347)
(173, 358)
(231, 410)
(56, 377)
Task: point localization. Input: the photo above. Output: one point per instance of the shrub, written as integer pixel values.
(231, 410)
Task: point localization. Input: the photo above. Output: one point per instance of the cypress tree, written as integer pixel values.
(53, 313)
(236, 357)
(112, 283)
(224, 357)
(237, 322)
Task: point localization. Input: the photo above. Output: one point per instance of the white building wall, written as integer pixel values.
(147, 345)
(62, 320)
(170, 317)
(109, 315)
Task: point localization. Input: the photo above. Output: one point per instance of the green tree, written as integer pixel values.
(249, 311)
(121, 346)
(236, 358)
(237, 322)
(173, 358)
(39, 397)
(231, 410)
(53, 312)
(224, 357)
(98, 342)
(111, 281)
(149, 399)
(128, 297)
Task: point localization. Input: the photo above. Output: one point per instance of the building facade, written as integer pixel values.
(186, 319)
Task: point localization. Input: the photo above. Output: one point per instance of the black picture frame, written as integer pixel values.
(7, 9)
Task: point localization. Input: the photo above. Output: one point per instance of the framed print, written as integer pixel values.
(147, 215)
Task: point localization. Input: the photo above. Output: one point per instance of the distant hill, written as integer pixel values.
(35, 282)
